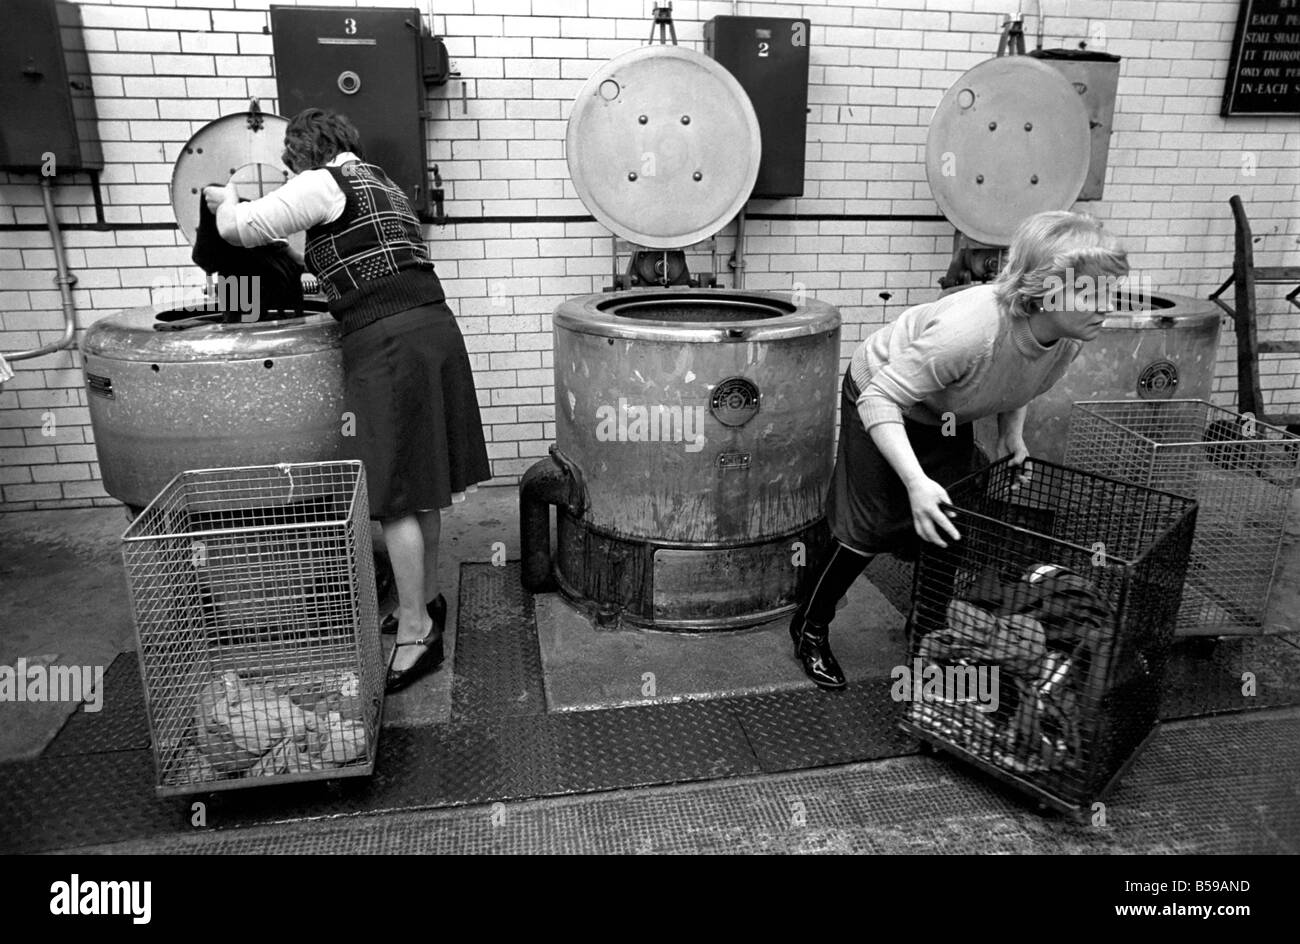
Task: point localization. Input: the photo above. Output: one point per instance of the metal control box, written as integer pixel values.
(769, 57)
(370, 64)
(47, 108)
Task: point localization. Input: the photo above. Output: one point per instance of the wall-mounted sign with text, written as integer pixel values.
(1264, 71)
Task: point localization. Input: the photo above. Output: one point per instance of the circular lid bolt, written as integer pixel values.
(643, 119)
(686, 119)
(1033, 179)
(979, 178)
(631, 175)
(993, 126)
(1029, 126)
(697, 175)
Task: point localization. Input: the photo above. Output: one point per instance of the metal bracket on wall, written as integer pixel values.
(663, 18)
(1012, 41)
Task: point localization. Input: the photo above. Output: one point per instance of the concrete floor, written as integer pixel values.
(63, 599)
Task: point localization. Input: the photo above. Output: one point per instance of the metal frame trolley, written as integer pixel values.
(256, 621)
(1241, 472)
(1038, 642)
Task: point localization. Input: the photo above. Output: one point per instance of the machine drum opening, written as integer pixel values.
(697, 309)
(1141, 301)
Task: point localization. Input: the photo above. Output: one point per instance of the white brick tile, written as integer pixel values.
(160, 19)
(103, 16)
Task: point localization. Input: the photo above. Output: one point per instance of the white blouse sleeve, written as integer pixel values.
(307, 200)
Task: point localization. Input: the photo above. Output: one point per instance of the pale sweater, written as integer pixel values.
(962, 355)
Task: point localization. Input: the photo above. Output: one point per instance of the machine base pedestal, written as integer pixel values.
(685, 589)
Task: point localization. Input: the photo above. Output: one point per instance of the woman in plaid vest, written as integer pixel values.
(408, 379)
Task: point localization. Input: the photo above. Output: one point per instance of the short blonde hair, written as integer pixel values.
(1056, 247)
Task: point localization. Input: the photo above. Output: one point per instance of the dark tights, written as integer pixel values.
(841, 569)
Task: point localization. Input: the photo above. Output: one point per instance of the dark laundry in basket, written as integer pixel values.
(1060, 599)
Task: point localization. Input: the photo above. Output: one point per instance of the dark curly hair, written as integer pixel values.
(316, 136)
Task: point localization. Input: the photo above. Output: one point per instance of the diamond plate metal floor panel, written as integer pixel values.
(797, 730)
(498, 664)
(902, 805)
(94, 784)
(81, 799)
(664, 743)
(122, 724)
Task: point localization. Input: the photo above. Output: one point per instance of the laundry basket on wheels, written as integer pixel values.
(254, 597)
(1038, 642)
(1239, 470)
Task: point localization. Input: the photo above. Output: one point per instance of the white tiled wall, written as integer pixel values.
(163, 68)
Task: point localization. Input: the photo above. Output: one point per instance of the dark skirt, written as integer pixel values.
(409, 384)
(867, 506)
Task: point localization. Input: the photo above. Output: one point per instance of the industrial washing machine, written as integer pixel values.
(176, 386)
(694, 426)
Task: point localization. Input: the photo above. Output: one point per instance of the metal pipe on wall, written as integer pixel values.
(738, 255)
(63, 278)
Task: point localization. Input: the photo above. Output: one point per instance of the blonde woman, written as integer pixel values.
(914, 388)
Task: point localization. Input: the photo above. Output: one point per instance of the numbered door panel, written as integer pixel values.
(769, 57)
(366, 64)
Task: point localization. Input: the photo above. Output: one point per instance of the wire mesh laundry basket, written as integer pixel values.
(1239, 470)
(1038, 642)
(257, 627)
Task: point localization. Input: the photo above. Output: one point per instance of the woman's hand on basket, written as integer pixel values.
(931, 511)
(1013, 445)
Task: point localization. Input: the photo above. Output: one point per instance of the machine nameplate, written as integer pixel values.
(100, 385)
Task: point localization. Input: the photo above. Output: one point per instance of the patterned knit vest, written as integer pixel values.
(371, 261)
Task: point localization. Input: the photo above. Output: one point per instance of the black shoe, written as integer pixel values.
(796, 629)
(813, 649)
(429, 661)
(436, 608)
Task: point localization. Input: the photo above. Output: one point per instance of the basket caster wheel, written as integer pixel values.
(1202, 647)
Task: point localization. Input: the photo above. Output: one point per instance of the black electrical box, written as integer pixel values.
(769, 57)
(371, 64)
(47, 108)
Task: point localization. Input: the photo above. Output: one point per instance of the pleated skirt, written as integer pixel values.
(409, 384)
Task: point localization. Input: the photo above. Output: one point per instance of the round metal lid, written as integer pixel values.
(229, 150)
(663, 146)
(1008, 140)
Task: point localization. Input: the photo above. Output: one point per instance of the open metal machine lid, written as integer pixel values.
(663, 146)
(243, 149)
(1008, 140)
